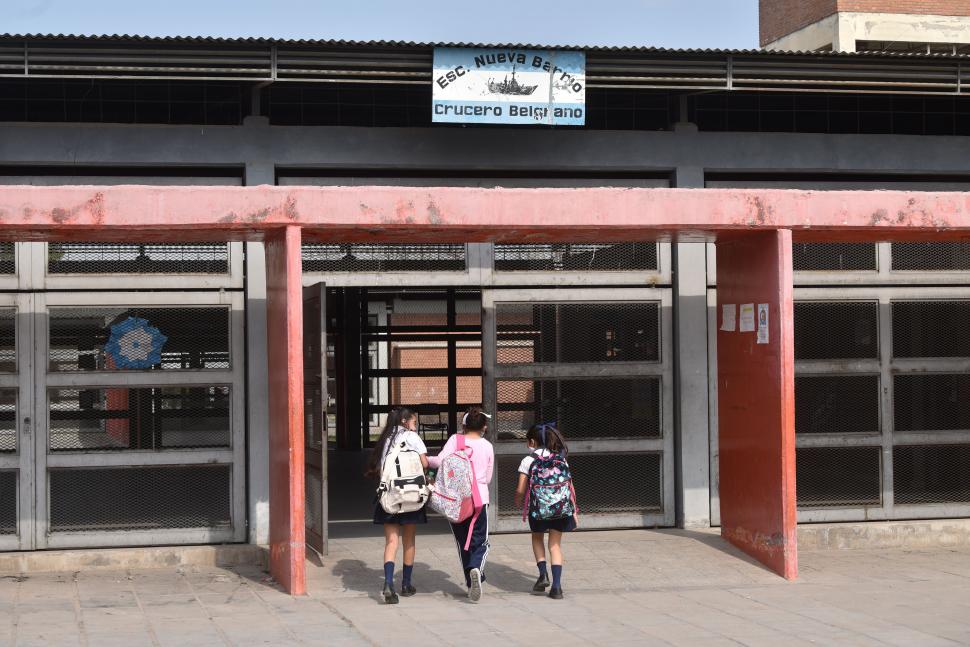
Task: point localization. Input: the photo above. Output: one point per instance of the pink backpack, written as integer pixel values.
(455, 494)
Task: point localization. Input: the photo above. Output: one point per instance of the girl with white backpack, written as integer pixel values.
(399, 457)
(460, 493)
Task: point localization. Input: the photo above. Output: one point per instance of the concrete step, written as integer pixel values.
(935, 533)
(40, 561)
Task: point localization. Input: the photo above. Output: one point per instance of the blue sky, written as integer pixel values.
(662, 23)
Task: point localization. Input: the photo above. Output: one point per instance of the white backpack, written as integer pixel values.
(403, 487)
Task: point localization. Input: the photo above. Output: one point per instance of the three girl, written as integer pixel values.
(400, 427)
(471, 536)
(545, 441)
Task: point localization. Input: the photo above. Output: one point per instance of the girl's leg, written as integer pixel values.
(408, 535)
(539, 550)
(460, 531)
(555, 554)
(538, 547)
(391, 531)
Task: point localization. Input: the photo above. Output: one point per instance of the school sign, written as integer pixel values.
(509, 86)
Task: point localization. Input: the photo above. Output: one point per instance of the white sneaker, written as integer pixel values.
(475, 590)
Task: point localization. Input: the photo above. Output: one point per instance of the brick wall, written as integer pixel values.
(781, 17)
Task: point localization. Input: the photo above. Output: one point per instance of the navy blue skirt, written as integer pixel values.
(381, 516)
(545, 525)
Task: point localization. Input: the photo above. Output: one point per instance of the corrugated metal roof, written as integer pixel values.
(640, 49)
(37, 56)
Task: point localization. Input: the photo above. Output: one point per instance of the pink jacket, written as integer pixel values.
(483, 457)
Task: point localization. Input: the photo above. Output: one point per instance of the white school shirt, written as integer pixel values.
(411, 440)
(527, 462)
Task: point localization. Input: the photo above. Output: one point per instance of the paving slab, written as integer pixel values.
(622, 587)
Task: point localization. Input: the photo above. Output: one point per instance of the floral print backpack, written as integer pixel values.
(550, 494)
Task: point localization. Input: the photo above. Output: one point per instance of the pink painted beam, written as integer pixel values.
(756, 401)
(284, 328)
(459, 214)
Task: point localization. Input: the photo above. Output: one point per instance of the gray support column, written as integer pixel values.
(257, 386)
(691, 439)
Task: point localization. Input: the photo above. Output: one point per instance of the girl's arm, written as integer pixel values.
(435, 461)
(424, 461)
(520, 490)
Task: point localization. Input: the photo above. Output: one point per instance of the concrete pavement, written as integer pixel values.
(639, 587)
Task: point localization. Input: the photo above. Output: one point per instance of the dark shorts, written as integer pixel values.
(562, 525)
(381, 516)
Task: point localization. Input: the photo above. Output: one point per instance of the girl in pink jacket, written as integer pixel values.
(474, 427)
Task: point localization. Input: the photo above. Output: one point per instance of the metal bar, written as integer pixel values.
(578, 371)
(137, 458)
(104, 539)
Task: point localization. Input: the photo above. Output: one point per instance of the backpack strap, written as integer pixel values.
(476, 495)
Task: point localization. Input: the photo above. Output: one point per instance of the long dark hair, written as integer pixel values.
(396, 418)
(546, 436)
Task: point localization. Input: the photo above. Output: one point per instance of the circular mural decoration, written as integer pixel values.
(135, 344)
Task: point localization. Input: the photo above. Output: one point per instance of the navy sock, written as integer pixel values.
(542, 568)
(556, 576)
(389, 572)
(406, 577)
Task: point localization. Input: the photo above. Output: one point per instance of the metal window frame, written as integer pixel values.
(21, 460)
(493, 372)
(470, 276)
(887, 367)
(234, 456)
(232, 280)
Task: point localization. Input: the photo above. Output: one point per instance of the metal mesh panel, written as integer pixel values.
(140, 498)
(198, 338)
(123, 258)
(8, 420)
(8, 262)
(836, 404)
(828, 257)
(581, 408)
(143, 418)
(932, 257)
(930, 328)
(836, 330)
(837, 476)
(931, 474)
(585, 332)
(581, 257)
(931, 402)
(8, 340)
(383, 258)
(605, 483)
(313, 508)
(8, 502)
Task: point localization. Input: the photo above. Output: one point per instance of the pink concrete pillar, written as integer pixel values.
(284, 325)
(756, 398)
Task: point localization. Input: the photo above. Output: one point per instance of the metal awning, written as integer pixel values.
(261, 60)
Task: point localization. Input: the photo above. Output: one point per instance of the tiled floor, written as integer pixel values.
(622, 587)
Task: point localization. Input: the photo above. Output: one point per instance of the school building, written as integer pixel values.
(740, 287)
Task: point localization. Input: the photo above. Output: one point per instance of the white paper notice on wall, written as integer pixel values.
(729, 317)
(747, 317)
(762, 323)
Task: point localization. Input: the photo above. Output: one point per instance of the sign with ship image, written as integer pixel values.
(509, 86)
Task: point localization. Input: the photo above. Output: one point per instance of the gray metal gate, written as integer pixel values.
(597, 363)
(104, 451)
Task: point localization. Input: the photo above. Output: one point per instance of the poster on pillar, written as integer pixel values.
(509, 86)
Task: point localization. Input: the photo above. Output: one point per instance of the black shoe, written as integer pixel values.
(541, 584)
(390, 597)
(555, 594)
(407, 590)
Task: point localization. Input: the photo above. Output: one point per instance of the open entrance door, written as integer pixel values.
(315, 421)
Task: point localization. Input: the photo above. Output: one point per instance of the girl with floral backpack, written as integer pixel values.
(470, 456)
(548, 499)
